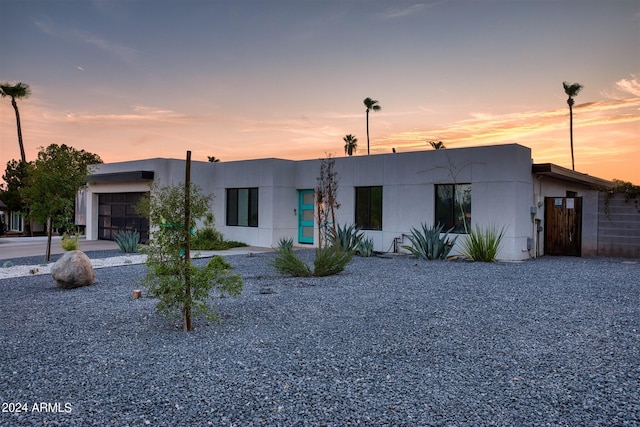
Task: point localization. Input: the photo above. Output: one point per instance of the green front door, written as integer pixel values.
(305, 216)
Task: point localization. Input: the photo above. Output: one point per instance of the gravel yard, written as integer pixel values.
(390, 341)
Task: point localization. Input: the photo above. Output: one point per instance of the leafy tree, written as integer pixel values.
(350, 144)
(15, 177)
(213, 159)
(372, 105)
(17, 91)
(54, 179)
(571, 90)
(179, 286)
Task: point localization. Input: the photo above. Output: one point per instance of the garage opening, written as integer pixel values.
(116, 213)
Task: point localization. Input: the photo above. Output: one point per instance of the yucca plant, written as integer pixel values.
(128, 241)
(428, 242)
(347, 238)
(483, 243)
(330, 260)
(288, 262)
(365, 248)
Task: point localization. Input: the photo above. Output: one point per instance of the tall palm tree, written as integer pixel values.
(371, 104)
(572, 90)
(17, 91)
(350, 144)
(213, 159)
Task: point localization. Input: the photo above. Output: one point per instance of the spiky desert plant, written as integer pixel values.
(285, 244)
(365, 248)
(427, 243)
(347, 238)
(289, 263)
(330, 261)
(483, 243)
(128, 241)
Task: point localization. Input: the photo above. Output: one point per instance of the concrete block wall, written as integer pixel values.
(618, 226)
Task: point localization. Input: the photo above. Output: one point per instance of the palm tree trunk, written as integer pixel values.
(15, 107)
(367, 131)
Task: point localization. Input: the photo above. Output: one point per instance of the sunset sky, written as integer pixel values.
(286, 78)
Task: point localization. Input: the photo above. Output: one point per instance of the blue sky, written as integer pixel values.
(247, 79)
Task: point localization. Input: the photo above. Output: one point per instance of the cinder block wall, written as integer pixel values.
(618, 226)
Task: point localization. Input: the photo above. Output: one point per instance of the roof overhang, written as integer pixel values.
(131, 176)
(564, 174)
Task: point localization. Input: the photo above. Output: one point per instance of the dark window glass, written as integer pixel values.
(242, 207)
(453, 207)
(369, 208)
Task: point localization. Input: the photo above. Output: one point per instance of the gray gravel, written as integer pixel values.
(390, 341)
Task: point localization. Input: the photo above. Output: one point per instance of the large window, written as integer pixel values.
(453, 207)
(242, 207)
(369, 208)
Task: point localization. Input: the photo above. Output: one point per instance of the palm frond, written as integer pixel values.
(572, 89)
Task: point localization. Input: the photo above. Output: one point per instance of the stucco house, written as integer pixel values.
(385, 195)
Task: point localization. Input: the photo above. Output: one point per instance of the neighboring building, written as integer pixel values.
(260, 201)
(4, 214)
(13, 221)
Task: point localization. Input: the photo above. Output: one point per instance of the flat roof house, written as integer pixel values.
(260, 201)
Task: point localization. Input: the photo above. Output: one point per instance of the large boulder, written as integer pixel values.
(73, 270)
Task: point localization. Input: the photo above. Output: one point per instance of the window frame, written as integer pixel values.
(371, 219)
(459, 194)
(242, 211)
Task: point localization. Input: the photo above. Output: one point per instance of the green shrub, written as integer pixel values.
(365, 247)
(206, 239)
(167, 284)
(483, 243)
(128, 241)
(428, 244)
(219, 263)
(330, 261)
(210, 239)
(347, 238)
(69, 242)
(287, 262)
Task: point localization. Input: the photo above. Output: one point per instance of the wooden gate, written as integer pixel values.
(563, 226)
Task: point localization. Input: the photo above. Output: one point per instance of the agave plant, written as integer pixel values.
(347, 238)
(428, 242)
(365, 248)
(285, 244)
(127, 241)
